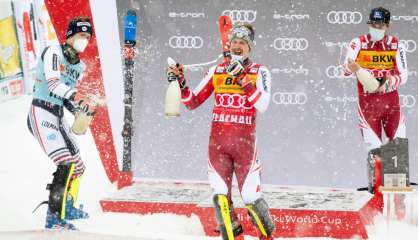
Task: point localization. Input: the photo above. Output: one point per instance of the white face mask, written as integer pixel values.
(237, 57)
(376, 34)
(80, 44)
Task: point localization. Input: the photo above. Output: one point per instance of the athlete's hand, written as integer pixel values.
(84, 102)
(176, 73)
(352, 65)
(177, 69)
(235, 68)
(386, 84)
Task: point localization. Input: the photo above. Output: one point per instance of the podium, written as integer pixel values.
(297, 211)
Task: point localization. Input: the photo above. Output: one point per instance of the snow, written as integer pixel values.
(25, 171)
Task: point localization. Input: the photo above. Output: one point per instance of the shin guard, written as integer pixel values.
(73, 188)
(260, 215)
(73, 212)
(58, 189)
(223, 217)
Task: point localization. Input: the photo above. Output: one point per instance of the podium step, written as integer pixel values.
(297, 211)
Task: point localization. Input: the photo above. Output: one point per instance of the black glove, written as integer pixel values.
(69, 106)
(171, 76)
(381, 80)
(235, 68)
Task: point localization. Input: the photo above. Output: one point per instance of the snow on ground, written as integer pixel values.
(25, 171)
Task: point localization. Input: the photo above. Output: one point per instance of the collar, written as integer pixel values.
(70, 53)
(247, 62)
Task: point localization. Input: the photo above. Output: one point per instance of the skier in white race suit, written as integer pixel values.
(58, 71)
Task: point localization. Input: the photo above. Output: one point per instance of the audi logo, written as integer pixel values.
(185, 42)
(407, 101)
(344, 17)
(410, 45)
(290, 98)
(290, 44)
(336, 72)
(232, 101)
(242, 16)
(381, 73)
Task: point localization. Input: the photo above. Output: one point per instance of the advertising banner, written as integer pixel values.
(28, 39)
(309, 135)
(11, 81)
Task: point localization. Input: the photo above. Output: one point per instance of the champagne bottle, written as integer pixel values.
(173, 94)
(81, 122)
(370, 84)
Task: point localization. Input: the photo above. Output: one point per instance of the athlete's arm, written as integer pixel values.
(52, 62)
(193, 99)
(353, 48)
(259, 95)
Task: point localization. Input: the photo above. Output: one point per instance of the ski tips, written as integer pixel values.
(170, 61)
(130, 24)
(225, 20)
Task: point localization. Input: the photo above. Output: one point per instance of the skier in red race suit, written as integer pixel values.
(384, 57)
(241, 88)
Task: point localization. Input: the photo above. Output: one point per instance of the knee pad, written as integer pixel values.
(261, 218)
(223, 217)
(58, 189)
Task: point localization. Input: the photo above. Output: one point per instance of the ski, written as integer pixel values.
(225, 27)
(130, 24)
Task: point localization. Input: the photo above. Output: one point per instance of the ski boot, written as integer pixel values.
(228, 224)
(73, 213)
(236, 226)
(54, 222)
(262, 237)
(261, 219)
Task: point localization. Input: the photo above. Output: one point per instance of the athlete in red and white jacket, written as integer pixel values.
(234, 103)
(241, 89)
(384, 57)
